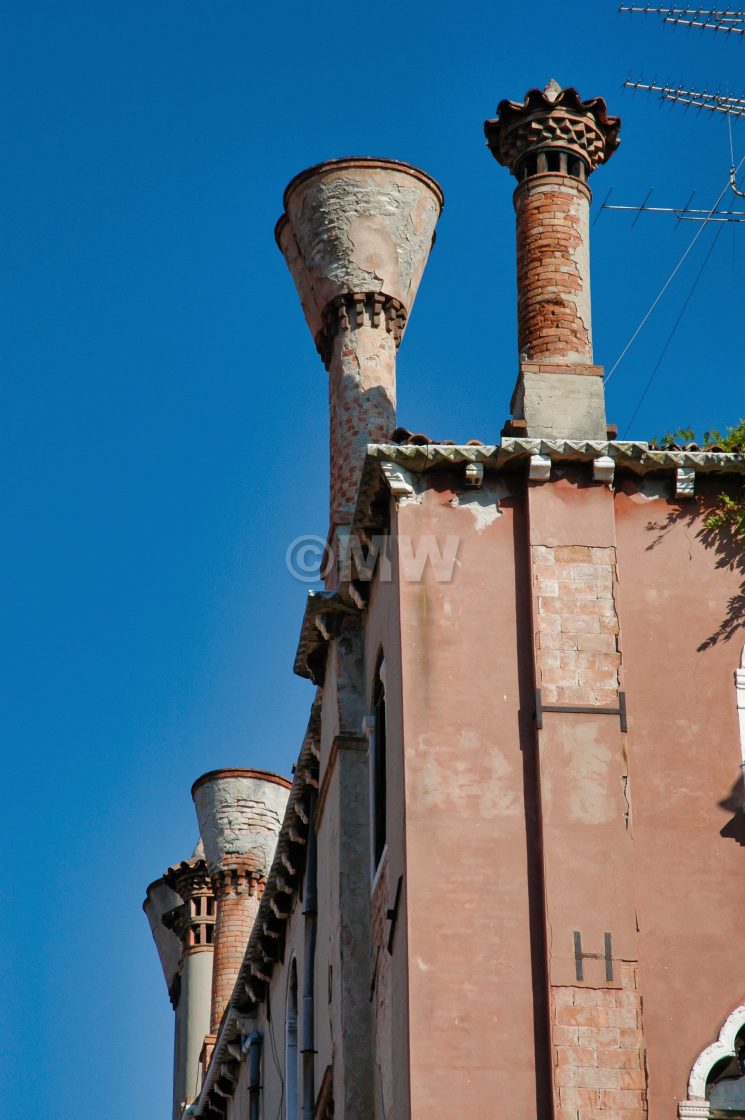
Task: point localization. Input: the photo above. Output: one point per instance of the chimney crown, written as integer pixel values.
(552, 119)
(240, 814)
(357, 225)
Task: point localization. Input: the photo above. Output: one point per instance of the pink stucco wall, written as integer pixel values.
(474, 955)
(679, 588)
(489, 880)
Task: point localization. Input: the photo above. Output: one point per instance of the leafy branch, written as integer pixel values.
(729, 517)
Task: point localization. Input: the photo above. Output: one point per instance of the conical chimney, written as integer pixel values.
(356, 234)
(552, 143)
(159, 900)
(240, 814)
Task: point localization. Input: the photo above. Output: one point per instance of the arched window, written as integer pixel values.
(378, 765)
(725, 1088)
(291, 1047)
(716, 1087)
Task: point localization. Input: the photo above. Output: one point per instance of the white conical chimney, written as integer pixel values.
(159, 900)
(356, 234)
(240, 814)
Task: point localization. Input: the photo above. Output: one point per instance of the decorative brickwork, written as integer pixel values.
(598, 1051)
(382, 987)
(238, 891)
(353, 310)
(577, 655)
(193, 922)
(549, 120)
(553, 301)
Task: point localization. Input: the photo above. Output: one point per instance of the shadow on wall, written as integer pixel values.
(734, 802)
(730, 554)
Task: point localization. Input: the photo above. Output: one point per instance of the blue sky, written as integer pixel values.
(164, 423)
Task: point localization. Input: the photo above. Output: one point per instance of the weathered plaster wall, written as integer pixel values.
(477, 1005)
(192, 1023)
(390, 988)
(587, 844)
(343, 960)
(678, 589)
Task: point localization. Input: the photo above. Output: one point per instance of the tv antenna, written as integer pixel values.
(730, 21)
(728, 104)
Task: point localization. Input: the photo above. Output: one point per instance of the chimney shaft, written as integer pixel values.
(193, 921)
(552, 143)
(356, 234)
(240, 814)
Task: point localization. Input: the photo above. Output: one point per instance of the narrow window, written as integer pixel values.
(379, 768)
(291, 1051)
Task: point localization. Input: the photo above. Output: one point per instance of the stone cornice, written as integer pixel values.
(632, 455)
(324, 611)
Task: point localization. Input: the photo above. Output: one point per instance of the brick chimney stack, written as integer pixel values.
(552, 143)
(356, 234)
(240, 814)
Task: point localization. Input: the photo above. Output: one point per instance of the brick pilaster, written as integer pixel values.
(598, 1051)
(595, 1006)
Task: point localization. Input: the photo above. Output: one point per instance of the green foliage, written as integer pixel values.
(729, 518)
(733, 439)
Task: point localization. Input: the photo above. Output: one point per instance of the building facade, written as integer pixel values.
(504, 879)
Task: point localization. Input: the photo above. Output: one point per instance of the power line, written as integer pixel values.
(670, 337)
(671, 277)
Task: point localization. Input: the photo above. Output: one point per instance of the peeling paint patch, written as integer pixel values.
(483, 504)
(651, 490)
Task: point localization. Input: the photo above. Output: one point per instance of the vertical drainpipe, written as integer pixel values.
(310, 913)
(254, 1075)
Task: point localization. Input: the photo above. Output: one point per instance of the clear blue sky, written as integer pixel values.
(164, 422)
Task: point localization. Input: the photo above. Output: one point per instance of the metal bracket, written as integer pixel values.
(606, 955)
(580, 709)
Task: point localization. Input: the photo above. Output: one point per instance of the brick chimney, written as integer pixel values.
(552, 143)
(356, 234)
(240, 814)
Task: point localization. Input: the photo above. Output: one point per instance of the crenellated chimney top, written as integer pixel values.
(548, 122)
(552, 142)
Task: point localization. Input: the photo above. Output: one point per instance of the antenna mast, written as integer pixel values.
(731, 21)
